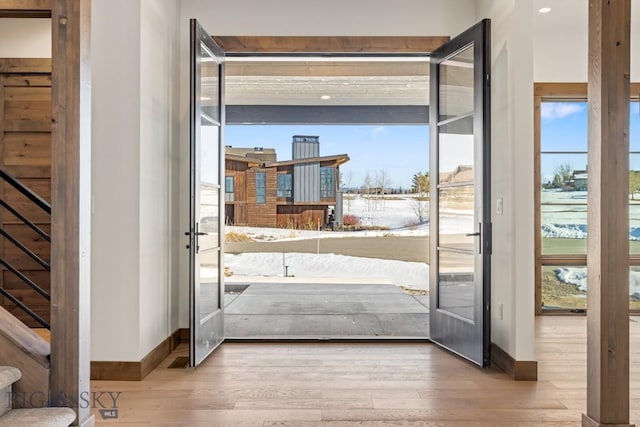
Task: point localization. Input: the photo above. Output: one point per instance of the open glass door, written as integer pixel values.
(460, 214)
(206, 203)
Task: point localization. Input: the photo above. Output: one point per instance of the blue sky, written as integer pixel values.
(564, 128)
(401, 151)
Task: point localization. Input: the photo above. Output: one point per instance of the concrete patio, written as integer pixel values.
(295, 310)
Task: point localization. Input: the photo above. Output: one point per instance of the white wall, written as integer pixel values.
(331, 17)
(512, 284)
(135, 115)
(561, 51)
(115, 296)
(25, 38)
(159, 169)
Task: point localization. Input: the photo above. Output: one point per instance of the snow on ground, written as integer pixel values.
(248, 266)
(396, 213)
(578, 276)
(564, 215)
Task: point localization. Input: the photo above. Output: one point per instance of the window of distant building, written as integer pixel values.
(285, 185)
(261, 187)
(327, 183)
(228, 188)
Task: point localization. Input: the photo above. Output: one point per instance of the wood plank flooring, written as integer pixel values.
(356, 384)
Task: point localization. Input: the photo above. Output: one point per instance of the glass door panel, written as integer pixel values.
(461, 218)
(205, 245)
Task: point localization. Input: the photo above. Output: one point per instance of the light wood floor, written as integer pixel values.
(338, 384)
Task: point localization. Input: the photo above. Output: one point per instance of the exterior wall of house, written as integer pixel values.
(302, 217)
(236, 211)
(261, 214)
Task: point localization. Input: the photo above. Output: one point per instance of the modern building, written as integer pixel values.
(95, 96)
(301, 193)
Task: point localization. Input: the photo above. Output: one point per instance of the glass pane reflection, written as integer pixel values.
(455, 217)
(456, 84)
(209, 89)
(209, 284)
(456, 289)
(455, 158)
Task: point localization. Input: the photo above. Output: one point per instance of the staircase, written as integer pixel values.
(34, 417)
(25, 246)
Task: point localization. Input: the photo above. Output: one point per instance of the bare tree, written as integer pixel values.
(420, 204)
(383, 181)
(347, 179)
(367, 190)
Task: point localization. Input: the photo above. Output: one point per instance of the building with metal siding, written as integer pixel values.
(295, 193)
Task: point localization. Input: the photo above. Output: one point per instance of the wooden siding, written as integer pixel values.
(277, 211)
(261, 214)
(301, 217)
(25, 152)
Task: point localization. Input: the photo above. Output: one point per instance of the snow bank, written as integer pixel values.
(303, 265)
(576, 231)
(564, 231)
(578, 276)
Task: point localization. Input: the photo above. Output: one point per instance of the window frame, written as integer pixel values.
(545, 92)
(285, 193)
(261, 197)
(332, 189)
(229, 196)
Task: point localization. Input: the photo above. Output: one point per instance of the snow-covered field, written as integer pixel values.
(344, 269)
(564, 215)
(397, 213)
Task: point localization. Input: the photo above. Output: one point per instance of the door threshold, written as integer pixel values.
(309, 339)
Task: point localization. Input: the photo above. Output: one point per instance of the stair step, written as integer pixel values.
(38, 417)
(8, 376)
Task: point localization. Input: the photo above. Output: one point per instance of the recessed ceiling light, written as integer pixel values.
(544, 10)
(325, 97)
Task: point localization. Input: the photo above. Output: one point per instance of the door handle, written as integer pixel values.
(477, 234)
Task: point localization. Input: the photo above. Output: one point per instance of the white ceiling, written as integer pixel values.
(571, 17)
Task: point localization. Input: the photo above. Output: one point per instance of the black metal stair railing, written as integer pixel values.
(46, 207)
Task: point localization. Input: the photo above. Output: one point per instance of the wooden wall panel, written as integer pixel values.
(31, 240)
(25, 153)
(263, 214)
(27, 149)
(301, 217)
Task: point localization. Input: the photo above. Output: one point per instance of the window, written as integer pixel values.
(284, 185)
(562, 175)
(261, 187)
(228, 188)
(327, 183)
